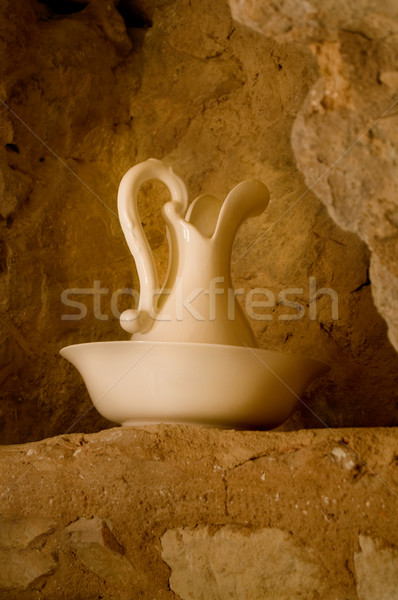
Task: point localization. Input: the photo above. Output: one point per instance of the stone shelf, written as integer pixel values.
(188, 512)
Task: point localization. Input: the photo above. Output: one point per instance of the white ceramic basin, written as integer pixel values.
(133, 382)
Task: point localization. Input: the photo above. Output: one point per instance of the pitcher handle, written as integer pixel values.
(142, 319)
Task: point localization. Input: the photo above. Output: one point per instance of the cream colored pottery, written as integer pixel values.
(178, 382)
(192, 305)
(193, 357)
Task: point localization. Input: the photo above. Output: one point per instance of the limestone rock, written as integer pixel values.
(376, 569)
(24, 559)
(23, 532)
(385, 294)
(344, 136)
(23, 568)
(239, 563)
(95, 545)
(138, 511)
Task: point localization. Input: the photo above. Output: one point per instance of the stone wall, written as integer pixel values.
(88, 91)
(345, 137)
(191, 513)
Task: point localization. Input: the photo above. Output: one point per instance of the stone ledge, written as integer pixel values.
(189, 512)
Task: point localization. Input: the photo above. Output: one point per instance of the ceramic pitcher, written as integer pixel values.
(196, 302)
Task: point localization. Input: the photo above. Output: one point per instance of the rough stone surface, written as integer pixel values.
(22, 569)
(63, 149)
(94, 544)
(22, 533)
(161, 511)
(377, 570)
(97, 90)
(345, 134)
(24, 559)
(239, 563)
